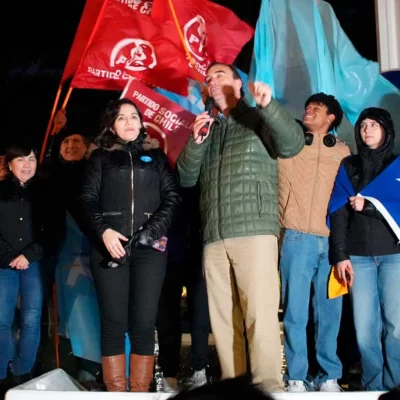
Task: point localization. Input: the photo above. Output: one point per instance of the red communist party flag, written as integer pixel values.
(166, 122)
(211, 32)
(126, 42)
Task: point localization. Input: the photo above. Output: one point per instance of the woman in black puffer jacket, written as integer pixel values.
(130, 197)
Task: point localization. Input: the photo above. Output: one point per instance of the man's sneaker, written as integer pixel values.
(296, 387)
(170, 385)
(330, 385)
(199, 378)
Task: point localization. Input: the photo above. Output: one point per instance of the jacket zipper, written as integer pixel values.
(221, 149)
(314, 180)
(133, 201)
(259, 198)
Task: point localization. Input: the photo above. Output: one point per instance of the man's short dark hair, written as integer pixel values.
(234, 70)
(331, 104)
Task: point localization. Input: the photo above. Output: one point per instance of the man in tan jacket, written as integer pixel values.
(305, 186)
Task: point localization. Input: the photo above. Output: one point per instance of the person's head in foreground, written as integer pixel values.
(227, 389)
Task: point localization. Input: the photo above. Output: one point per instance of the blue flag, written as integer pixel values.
(383, 192)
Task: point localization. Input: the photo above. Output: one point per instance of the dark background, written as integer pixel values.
(39, 36)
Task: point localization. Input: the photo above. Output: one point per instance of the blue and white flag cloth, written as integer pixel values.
(193, 101)
(383, 192)
(78, 310)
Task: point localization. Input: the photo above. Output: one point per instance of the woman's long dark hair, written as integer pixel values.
(107, 138)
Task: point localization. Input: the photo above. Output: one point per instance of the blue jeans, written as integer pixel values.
(304, 261)
(375, 297)
(28, 283)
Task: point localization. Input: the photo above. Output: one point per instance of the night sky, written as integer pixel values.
(37, 43)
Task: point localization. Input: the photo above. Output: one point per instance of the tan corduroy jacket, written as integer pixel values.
(305, 186)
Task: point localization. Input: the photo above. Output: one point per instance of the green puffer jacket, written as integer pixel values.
(237, 166)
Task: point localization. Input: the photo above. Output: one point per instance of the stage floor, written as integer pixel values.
(43, 395)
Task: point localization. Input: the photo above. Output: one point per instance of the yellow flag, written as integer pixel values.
(336, 287)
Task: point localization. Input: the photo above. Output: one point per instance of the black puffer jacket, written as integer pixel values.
(364, 233)
(21, 220)
(128, 187)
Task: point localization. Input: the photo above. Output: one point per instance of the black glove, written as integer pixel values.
(143, 238)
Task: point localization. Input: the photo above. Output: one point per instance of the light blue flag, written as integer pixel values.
(193, 102)
(78, 310)
(300, 49)
(261, 68)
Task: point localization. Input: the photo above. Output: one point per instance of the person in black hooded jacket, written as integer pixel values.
(130, 198)
(365, 251)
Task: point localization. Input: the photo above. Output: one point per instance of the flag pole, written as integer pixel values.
(53, 112)
(179, 29)
(70, 89)
(68, 95)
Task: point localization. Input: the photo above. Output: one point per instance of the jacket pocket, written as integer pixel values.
(259, 198)
(111, 213)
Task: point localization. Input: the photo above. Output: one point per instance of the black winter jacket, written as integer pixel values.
(128, 187)
(364, 233)
(21, 220)
(63, 190)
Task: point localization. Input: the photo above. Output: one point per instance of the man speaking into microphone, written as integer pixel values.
(235, 160)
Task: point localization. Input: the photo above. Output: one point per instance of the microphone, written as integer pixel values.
(209, 107)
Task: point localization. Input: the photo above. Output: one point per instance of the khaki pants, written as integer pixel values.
(242, 284)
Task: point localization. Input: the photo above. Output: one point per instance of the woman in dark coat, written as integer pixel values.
(21, 250)
(130, 198)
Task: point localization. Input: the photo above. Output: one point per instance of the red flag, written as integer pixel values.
(142, 6)
(212, 32)
(85, 28)
(127, 42)
(166, 121)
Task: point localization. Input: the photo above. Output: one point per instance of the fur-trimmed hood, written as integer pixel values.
(147, 144)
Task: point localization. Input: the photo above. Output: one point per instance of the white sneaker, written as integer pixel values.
(296, 387)
(199, 378)
(170, 385)
(330, 385)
